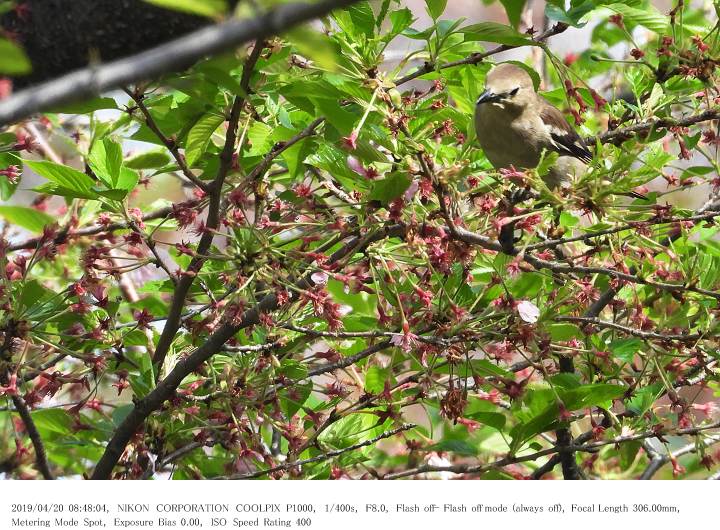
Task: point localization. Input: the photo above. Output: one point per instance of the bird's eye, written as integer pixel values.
(514, 91)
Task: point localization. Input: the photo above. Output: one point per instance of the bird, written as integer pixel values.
(515, 126)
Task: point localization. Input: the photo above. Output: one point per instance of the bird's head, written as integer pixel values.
(508, 87)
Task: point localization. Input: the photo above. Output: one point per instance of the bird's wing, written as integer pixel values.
(565, 140)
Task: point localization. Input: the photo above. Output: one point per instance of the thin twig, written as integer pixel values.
(476, 58)
(620, 135)
(182, 287)
(649, 335)
(170, 144)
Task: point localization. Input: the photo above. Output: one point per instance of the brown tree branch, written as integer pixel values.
(64, 237)
(476, 58)
(10, 333)
(40, 454)
(502, 462)
(620, 135)
(551, 243)
(172, 323)
(487, 243)
(648, 335)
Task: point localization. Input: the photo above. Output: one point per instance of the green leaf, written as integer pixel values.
(7, 141)
(411, 33)
(435, 8)
(459, 447)
(350, 430)
(28, 218)
(143, 381)
(400, 20)
(628, 452)
(105, 159)
(50, 421)
(148, 160)
(68, 179)
(390, 188)
(648, 17)
(528, 285)
(539, 423)
(127, 179)
(51, 189)
(199, 137)
(334, 161)
(204, 8)
(13, 60)
(548, 161)
(316, 46)
(375, 378)
(564, 331)
(363, 18)
(32, 294)
(292, 398)
(293, 156)
(514, 9)
(590, 395)
(492, 419)
(566, 381)
(568, 220)
(494, 32)
(625, 349)
(644, 398)
(486, 367)
(575, 16)
(86, 107)
(261, 140)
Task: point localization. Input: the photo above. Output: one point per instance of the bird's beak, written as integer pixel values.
(487, 97)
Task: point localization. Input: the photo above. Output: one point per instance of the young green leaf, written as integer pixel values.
(148, 160)
(389, 188)
(28, 218)
(435, 8)
(514, 9)
(199, 136)
(67, 179)
(494, 32)
(205, 8)
(13, 60)
(105, 159)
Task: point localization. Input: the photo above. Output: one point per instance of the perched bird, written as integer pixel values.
(515, 125)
